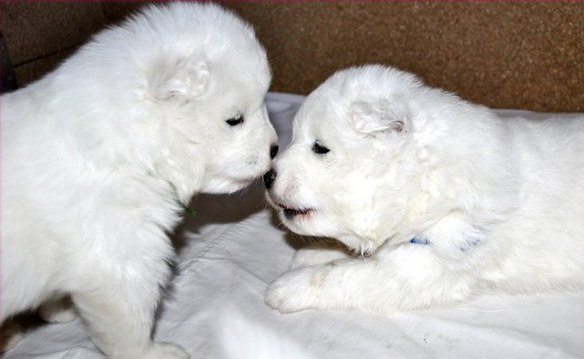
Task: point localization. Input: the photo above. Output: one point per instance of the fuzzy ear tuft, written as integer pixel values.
(369, 117)
(179, 80)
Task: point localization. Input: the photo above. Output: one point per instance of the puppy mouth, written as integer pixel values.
(246, 181)
(290, 212)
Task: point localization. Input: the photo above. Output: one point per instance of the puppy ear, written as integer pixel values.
(181, 80)
(369, 117)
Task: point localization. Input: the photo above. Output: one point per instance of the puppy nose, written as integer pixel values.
(274, 151)
(269, 178)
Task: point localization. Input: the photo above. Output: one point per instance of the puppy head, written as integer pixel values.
(210, 89)
(190, 80)
(346, 173)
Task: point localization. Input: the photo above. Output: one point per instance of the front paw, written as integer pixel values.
(296, 290)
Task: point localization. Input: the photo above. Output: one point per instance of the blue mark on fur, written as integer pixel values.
(419, 241)
(469, 244)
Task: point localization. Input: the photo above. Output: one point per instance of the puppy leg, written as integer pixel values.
(120, 310)
(400, 280)
(446, 270)
(121, 319)
(313, 255)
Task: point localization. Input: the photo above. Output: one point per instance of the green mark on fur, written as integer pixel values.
(188, 211)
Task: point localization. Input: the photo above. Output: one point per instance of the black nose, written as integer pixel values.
(274, 150)
(269, 178)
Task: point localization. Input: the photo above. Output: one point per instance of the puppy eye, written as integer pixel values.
(320, 149)
(235, 121)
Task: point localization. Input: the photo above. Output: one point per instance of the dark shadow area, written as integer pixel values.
(8, 80)
(220, 209)
(18, 326)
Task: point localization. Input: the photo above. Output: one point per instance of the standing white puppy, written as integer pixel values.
(98, 156)
(449, 200)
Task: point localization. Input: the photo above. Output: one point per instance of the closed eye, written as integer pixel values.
(320, 149)
(237, 120)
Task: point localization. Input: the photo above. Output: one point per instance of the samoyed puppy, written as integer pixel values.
(443, 199)
(100, 156)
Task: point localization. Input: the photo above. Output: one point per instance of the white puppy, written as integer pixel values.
(449, 199)
(98, 156)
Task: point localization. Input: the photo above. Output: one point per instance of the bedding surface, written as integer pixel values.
(234, 247)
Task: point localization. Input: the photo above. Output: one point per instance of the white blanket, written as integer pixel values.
(234, 247)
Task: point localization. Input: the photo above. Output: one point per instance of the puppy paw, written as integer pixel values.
(296, 290)
(165, 351)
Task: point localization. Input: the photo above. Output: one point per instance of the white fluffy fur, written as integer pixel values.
(500, 201)
(244, 338)
(97, 155)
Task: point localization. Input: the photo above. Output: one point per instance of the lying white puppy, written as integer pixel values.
(98, 156)
(449, 200)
